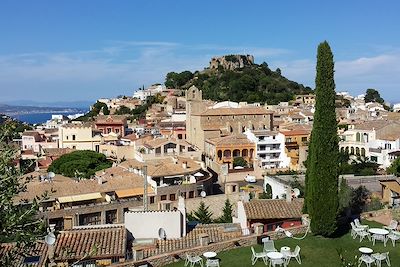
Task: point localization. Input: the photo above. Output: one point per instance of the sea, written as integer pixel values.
(36, 118)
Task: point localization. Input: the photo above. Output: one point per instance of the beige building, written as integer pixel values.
(222, 119)
(305, 99)
(79, 137)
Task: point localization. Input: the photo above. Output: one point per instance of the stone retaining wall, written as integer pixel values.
(375, 213)
(245, 241)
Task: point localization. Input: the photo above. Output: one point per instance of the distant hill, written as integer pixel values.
(56, 104)
(238, 78)
(17, 110)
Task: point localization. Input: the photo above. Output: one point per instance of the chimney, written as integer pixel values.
(184, 165)
(288, 194)
(100, 180)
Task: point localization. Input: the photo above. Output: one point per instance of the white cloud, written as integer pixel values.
(126, 65)
(355, 75)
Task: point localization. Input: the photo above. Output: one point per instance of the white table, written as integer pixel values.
(209, 254)
(274, 255)
(378, 231)
(365, 250)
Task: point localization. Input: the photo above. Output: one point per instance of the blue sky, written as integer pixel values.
(84, 50)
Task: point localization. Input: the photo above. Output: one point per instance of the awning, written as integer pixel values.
(131, 192)
(83, 197)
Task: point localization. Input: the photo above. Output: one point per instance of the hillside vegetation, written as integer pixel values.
(252, 83)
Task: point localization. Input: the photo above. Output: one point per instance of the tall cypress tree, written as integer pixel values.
(323, 166)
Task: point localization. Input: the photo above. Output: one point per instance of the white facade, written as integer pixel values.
(396, 107)
(364, 143)
(278, 188)
(148, 224)
(270, 149)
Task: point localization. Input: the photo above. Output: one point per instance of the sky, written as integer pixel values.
(83, 50)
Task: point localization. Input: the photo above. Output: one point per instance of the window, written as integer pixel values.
(116, 130)
(304, 139)
(164, 197)
(73, 147)
(374, 158)
(172, 197)
(73, 137)
(109, 130)
(191, 194)
(274, 137)
(66, 137)
(152, 200)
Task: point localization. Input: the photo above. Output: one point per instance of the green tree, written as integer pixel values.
(80, 164)
(18, 222)
(372, 95)
(267, 194)
(239, 161)
(323, 165)
(203, 214)
(394, 168)
(123, 110)
(345, 195)
(226, 213)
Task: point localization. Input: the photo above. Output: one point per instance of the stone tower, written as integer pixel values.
(194, 105)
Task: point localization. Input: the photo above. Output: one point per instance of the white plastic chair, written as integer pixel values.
(363, 234)
(258, 255)
(269, 246)
(382, 238)
(212, 263)
(359, 225)
(368, 260)
(394, 236)
(193, 260)
(278, 262)
(379, 257)
(355, 230)
(295, 254)
(392, 226)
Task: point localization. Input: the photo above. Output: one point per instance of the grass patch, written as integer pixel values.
(315, 251)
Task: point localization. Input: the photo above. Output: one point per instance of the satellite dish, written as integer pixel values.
(203, 194)
(50, 238)
(51, 175)
(296, 192)
(162, 234)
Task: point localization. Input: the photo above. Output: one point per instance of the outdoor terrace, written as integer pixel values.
(315, 251)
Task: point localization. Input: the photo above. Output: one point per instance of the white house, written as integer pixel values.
(161, 224)
(270, 148)
(376, 140)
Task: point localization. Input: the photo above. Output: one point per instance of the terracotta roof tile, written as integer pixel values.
(296, 132)
(273, 209)
(231, 139)
(39, 249)
(235, 111)
(111, 119)
(102, 242)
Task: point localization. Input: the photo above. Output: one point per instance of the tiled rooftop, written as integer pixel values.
(273, 209)
(100, 242)
(216, 233)
(230, 140)
(235, 111)
(39, 249)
